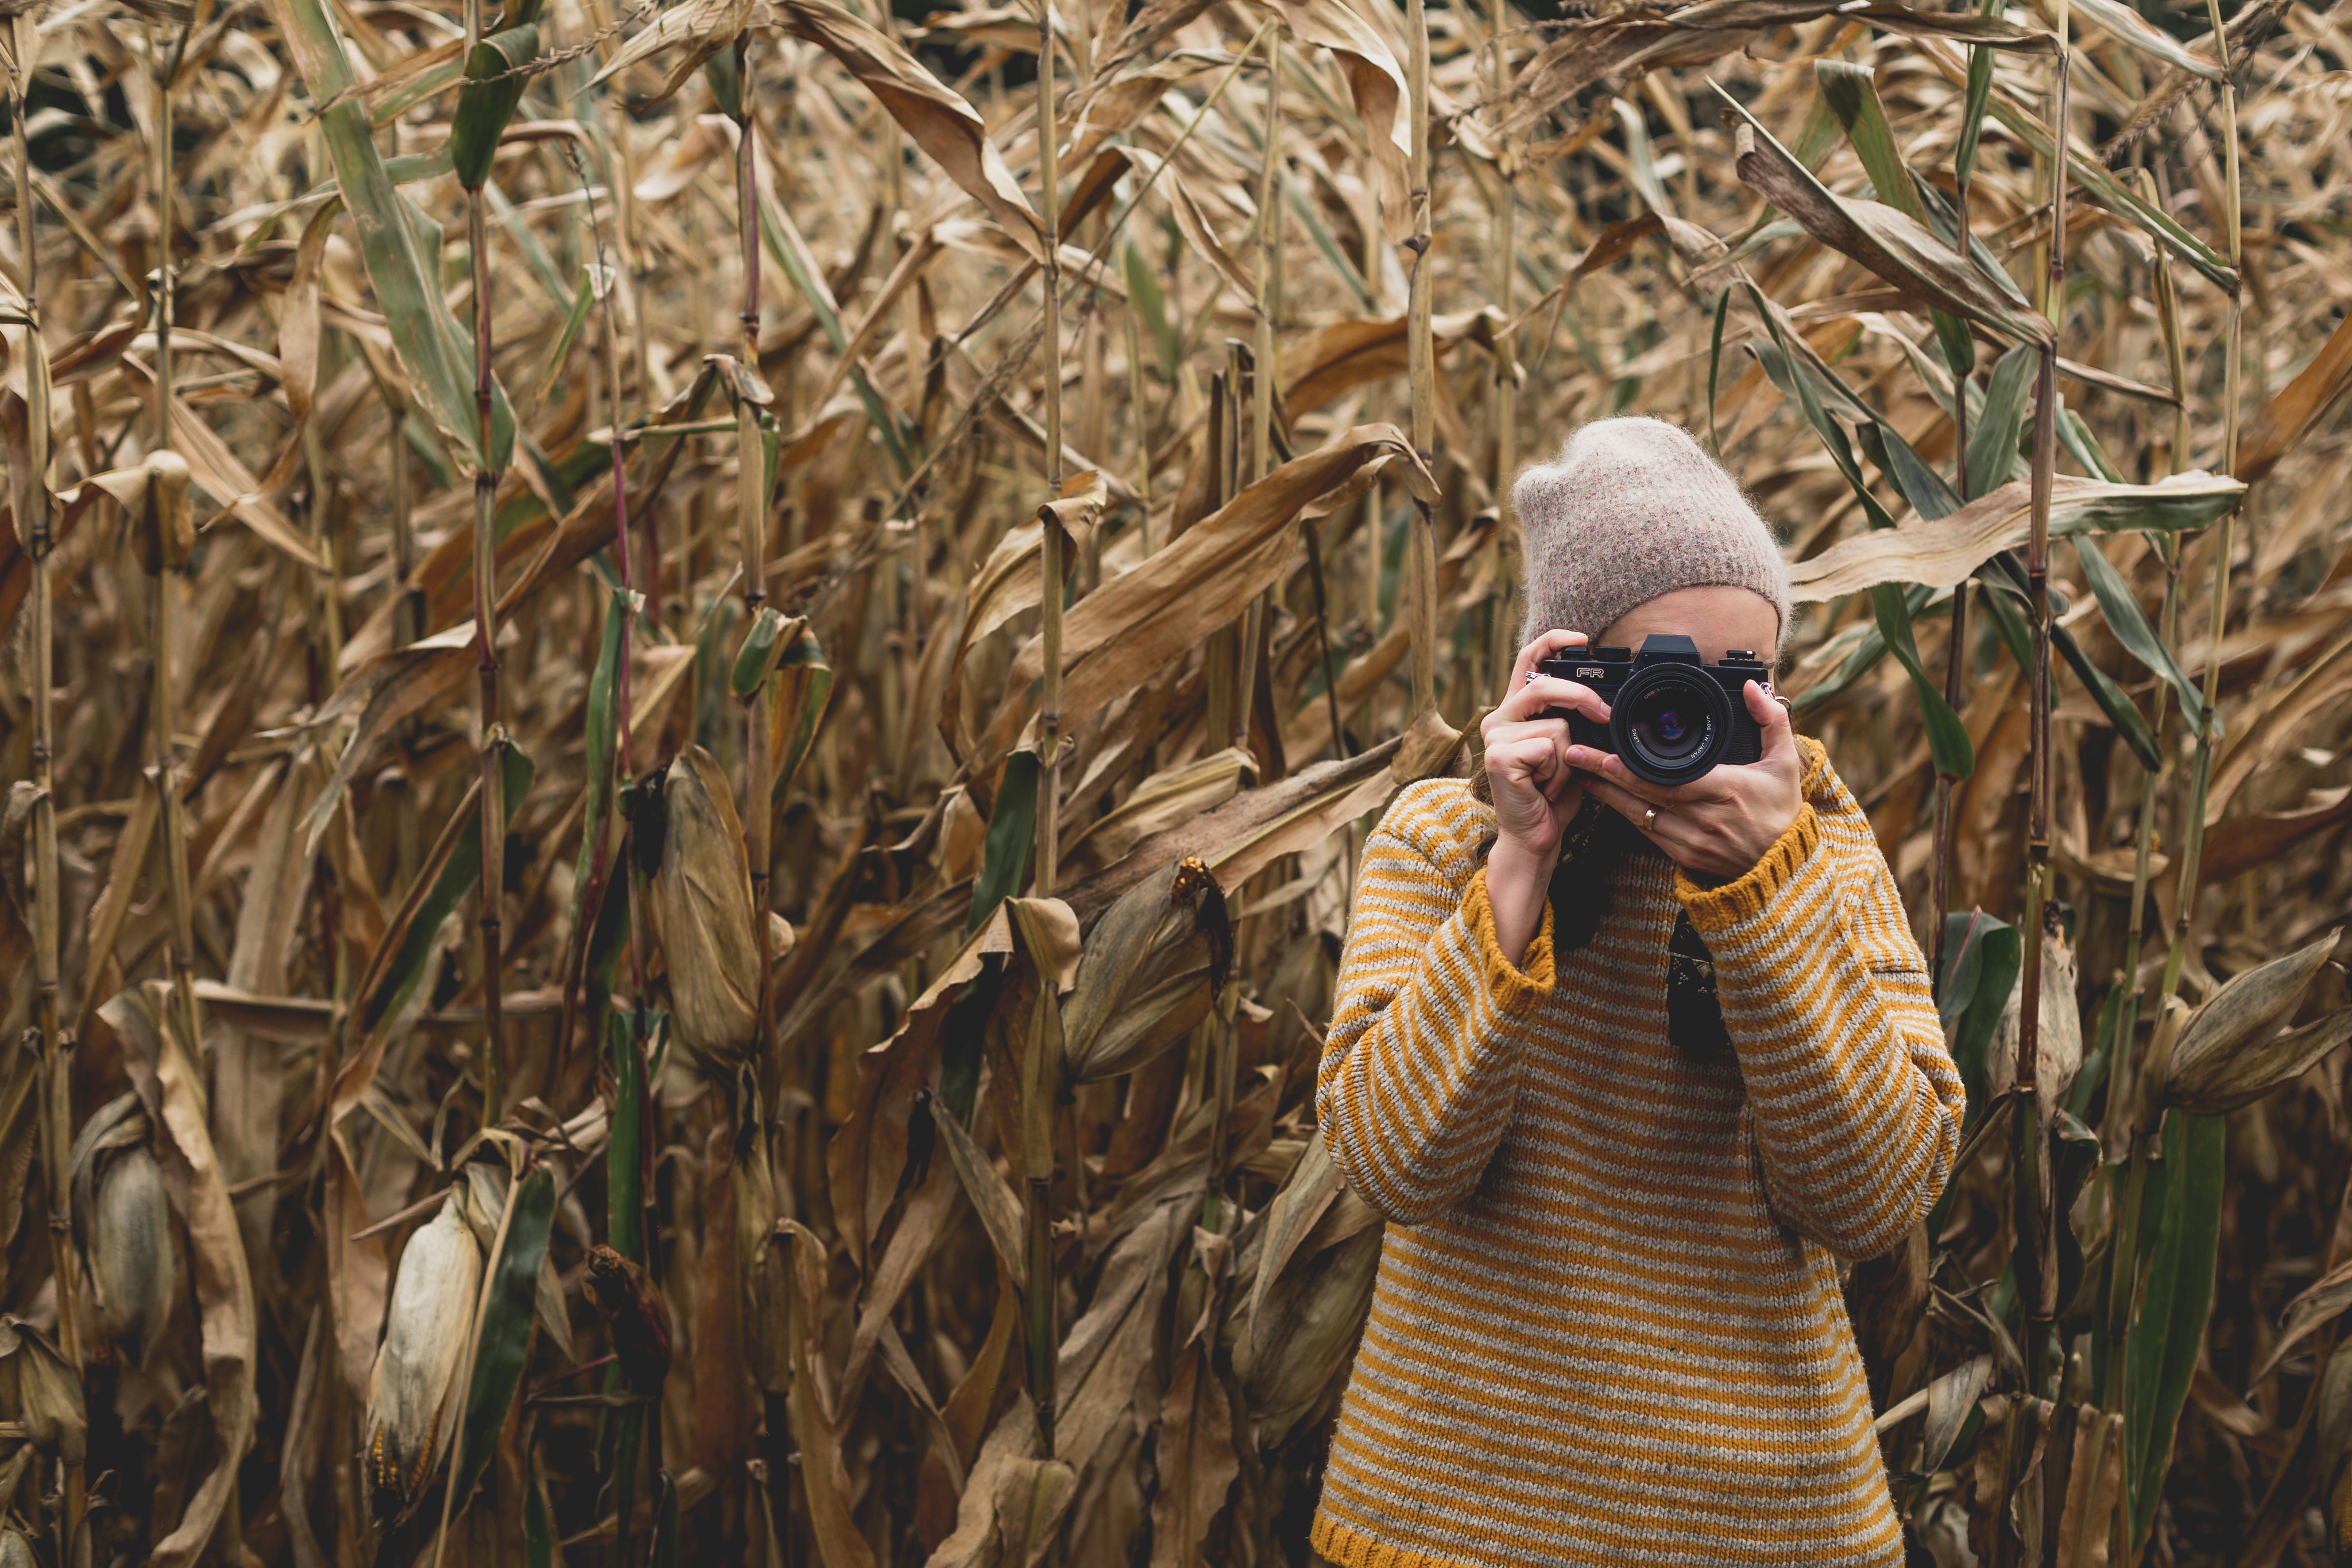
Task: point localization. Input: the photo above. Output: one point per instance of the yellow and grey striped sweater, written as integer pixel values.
(1607, 1327)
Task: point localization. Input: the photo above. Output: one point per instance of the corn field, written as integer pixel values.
(692, 692)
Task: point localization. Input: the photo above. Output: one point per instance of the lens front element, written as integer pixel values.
(1671, 727)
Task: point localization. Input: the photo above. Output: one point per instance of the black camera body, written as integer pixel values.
(1672, 716)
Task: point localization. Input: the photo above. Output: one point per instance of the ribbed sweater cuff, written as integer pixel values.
(1744, 898)
(1336, 1544)
(1516, 989)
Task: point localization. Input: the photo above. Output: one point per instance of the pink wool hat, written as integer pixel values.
(1633, 509)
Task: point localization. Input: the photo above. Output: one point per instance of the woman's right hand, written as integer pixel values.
(1534, 790)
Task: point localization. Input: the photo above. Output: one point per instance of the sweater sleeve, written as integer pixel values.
(1855, 1101)
(1420, 1067)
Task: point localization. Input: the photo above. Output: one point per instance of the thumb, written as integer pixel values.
(1779, 736)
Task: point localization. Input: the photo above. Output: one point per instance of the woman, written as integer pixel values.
(1630, 1070)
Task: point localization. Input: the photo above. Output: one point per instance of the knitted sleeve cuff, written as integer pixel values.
(1744, 898)
(1516, 989)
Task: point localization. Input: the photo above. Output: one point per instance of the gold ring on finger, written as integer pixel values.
(1650, 818)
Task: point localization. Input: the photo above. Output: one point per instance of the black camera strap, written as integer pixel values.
(1594, 847)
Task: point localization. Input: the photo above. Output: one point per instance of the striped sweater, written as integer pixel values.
(1607, 1327)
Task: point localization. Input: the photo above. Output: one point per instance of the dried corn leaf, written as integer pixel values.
(934, 116)
(1901, 250)
(1944, 551)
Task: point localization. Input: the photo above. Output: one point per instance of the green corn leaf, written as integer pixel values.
(1816, 139)
(1868, 650)
(538, 1528)
(725, 83)
(488, 102)
(665, 1527)
(2007, 619)
(1992, 440)
(1012, 831)
(1959, 345)
(543, 269)
(505, 1341)
(1640, 159)
(400, 246)
(573, 320)
(710, 667)
(2085, 1090)
(602, 728)
(396, 104)
(757, 657)
(1921, 484)
(782, 241)
(1852, 95)
(2160, 1354)
(2092, 177)
(2077, 1160)
(802, 686)
(2113, 700)
(1948, 737)
(1944, 219)
(1144, 294)
(2085, 447)
(1714, 367)
(1311, 218)
(1881, 237)
(1834, 397)
(2004, 575)
(623, 1165)
(1982, 958)
(457, 880)
(1979, 93)
(2129, 624)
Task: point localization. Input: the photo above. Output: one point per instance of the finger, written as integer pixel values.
(1779, 736)
(1630, 807)
(1611, 767)
(1551, 732)
(1537, 760)
(1532, 756)
(1565, 783)
(1545, 692)
(1543, 647)
(1717, 785)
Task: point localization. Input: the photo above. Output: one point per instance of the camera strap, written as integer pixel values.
(1693, 1016)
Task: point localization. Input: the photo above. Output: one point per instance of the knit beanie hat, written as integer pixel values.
(1633, 509)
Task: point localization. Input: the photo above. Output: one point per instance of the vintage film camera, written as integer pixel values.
(1672, 716)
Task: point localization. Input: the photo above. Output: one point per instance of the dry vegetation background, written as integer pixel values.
(966, 1208)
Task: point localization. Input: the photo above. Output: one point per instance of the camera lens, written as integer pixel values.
(1667, 732)
(1671, 725)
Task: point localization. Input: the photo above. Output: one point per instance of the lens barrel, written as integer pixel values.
(1671, 723)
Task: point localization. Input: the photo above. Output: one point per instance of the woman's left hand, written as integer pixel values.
(1718, 825)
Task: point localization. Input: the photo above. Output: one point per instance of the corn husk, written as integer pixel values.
(1151, 970)
(123, 1223)
(633, 1306)
(16, 1551)
(703, 913)
(2232, 1052)
(39, 1390)
(413, 1389)
(133, 1272)
(168, 527)
(2059, 1040)
(1302, 1338)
